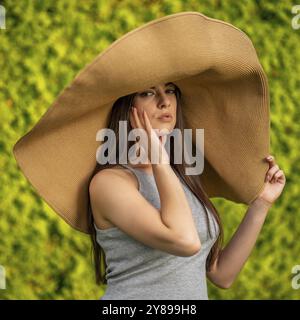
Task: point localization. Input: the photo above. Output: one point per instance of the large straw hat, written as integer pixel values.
(224, 91)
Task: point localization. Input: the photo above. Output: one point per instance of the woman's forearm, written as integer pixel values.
(175, 210)
(232, 258)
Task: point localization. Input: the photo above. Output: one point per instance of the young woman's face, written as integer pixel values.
(156, 102)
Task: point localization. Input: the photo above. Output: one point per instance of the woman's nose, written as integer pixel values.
(164, 102)
(164, 105)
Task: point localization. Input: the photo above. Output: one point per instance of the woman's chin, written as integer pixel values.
(165, 127)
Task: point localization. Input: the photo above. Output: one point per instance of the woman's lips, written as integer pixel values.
(165, 118)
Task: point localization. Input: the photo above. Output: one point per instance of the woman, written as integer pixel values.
(155, 223)
(150, 223)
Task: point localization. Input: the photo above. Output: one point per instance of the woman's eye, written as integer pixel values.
(145, 92)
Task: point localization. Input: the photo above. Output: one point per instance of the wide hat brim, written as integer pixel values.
(224, 91)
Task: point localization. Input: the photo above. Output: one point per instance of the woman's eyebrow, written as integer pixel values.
(166, 84)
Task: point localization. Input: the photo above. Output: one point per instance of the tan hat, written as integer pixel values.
(224, 90)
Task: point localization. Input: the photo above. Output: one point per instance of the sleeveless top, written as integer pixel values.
(138, 272)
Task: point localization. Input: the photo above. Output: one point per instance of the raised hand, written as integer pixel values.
(154, 144)
(275, 181)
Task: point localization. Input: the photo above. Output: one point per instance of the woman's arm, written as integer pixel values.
(175, 210)
(232, 258)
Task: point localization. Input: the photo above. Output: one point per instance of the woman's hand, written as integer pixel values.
(156, 139)
(275, 181)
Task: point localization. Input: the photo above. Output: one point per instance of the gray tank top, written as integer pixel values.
(138, 272)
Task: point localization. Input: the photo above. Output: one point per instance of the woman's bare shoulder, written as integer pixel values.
(118, 170)
(106, 176)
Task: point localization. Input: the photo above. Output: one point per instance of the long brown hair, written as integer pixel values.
(121, 112)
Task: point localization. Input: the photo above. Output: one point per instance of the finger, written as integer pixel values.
(278, 175)
(272, 171)
(163, 139)
(281, 179)
(137, 118)
(132, 119)
(141, 118)
(162, 134)
(271, 161)
(272, 179)
(147, 122)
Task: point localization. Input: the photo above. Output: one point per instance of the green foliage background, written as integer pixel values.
(45, 44)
